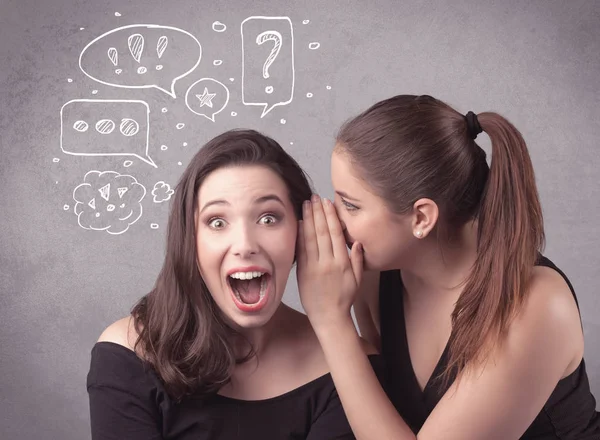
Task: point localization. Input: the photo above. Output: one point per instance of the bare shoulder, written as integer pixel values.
(550, 300)
(550, 318)
(120, 332)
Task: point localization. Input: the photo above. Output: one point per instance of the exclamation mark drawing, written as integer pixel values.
(160, 49)
(136, 47)
(114, 57)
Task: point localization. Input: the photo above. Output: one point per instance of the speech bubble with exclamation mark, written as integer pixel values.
(141, 56)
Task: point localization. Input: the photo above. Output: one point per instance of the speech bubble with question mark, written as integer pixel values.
(268, 73)
(141, 56)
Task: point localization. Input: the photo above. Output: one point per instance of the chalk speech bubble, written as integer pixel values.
(141, 56)
(95, 127)
(162, 192)
(268, 73)
(108, 201)
(207, 97)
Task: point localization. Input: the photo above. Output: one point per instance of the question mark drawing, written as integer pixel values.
(269, 36)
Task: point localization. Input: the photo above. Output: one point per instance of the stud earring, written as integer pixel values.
(419, 234)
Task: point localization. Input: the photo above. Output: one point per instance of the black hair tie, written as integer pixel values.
(473, 127)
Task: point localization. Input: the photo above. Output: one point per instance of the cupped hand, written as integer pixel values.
(328, 279)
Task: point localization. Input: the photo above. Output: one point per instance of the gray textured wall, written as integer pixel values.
(536, 62)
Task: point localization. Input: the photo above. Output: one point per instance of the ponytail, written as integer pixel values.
(509, 238)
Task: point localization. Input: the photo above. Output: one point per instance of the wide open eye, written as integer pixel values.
(216, 223)
(268, 219)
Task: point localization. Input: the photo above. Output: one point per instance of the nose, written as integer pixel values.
(244, 242)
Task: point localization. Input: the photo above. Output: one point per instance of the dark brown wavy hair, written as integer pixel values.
(182, 333)
(409, 147)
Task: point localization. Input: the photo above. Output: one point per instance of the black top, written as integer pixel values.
(570, 412)
(129, 402)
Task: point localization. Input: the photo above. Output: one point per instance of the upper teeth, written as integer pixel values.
(246, 275)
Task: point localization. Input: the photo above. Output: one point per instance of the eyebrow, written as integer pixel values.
(258, 201)
(346, 196)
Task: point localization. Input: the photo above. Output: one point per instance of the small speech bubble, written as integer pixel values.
(108, 201)
(162, 192)
(141, 56)
(207, 97)
(90, 127)
(268, 73)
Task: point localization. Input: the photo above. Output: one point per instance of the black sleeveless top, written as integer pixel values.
(570, 412)
(128, 401)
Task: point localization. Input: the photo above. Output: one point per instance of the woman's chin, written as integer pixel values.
(248, 321)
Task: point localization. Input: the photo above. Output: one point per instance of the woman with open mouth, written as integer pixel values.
(212, 352)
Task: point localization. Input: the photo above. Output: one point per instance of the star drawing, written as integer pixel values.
(206, 98)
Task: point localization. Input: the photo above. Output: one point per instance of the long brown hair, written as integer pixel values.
(182, 332)
(409, 147)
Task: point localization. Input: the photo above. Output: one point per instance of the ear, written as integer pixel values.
(424, 218)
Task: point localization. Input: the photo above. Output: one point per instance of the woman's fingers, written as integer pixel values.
(311, 249)
(321, 229)
(357, 262)
(327, 277)
(338, 241)
(300, 248)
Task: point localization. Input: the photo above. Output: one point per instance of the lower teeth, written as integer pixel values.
(261, 294)
(263, 287)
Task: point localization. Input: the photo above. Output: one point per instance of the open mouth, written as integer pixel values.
(250, 289)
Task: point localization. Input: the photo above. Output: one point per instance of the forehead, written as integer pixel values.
(242, 182)
(345, 177)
